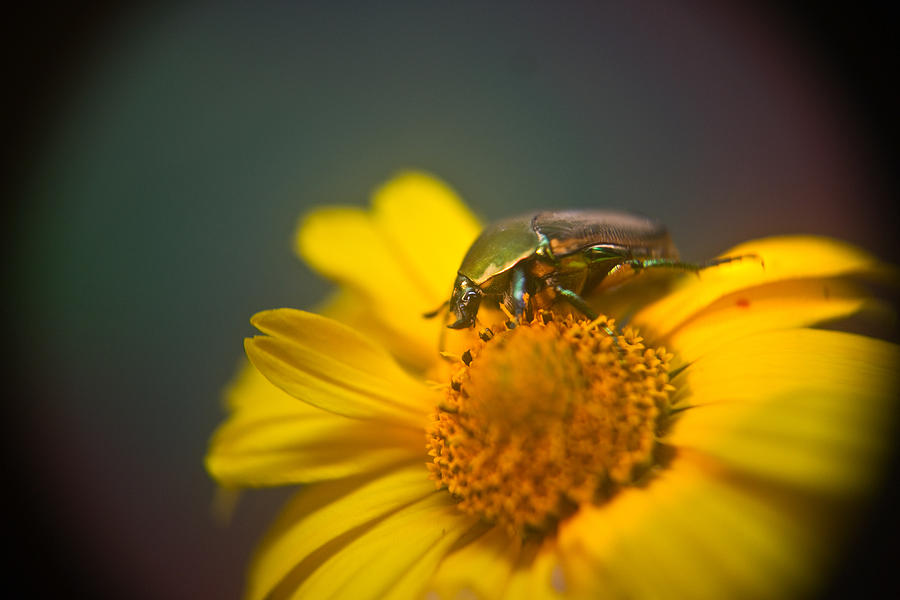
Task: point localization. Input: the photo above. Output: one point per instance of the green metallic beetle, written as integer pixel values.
(530, 261)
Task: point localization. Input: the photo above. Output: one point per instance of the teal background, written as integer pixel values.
(158, 212)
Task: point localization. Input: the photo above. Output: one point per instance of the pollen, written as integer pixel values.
(546, 417)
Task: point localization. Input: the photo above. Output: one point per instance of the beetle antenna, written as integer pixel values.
(433, 313)
(442, 336)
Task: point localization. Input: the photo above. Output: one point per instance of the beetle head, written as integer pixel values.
(464, 302)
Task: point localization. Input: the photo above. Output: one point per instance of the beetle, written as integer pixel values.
(530, 261)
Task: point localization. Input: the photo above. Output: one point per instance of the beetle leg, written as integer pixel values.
(518, 293)
(620, 273)
(579, 303)
(644, 263)
(544, 250)
(596, 254)
(576, 301)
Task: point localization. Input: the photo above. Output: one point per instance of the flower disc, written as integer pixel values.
(547, 416)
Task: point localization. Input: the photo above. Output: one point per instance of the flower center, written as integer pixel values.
(545, 417)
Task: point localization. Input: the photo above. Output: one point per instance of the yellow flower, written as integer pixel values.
(709, 452)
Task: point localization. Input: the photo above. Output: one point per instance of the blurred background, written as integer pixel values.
(160, 156)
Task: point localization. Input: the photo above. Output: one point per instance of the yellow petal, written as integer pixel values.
(781, 305)
(733, 543)
(272, 439)
(397, 554)
(328, 365)
(689, 534)
(400, 260)
(428, 227)
(416, 578)
(324, 517)
(780, 259)
(537, 574)
(250, 390)
(344, 245)
(606, 549)
(805, 407)
(348, 307)
(480, 569)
